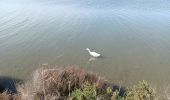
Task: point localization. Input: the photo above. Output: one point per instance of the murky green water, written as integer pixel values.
(134, 39)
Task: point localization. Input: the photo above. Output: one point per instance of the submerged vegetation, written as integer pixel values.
(73, 83)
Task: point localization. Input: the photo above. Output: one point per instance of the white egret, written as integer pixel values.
(94, 54)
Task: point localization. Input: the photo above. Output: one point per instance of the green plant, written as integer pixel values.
(109, 90)
(77, 95)
(88, 92)
(116, 96)
(141, 91)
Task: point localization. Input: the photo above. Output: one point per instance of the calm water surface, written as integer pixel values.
(133, 36)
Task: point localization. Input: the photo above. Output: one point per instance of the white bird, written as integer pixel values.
(94, 54)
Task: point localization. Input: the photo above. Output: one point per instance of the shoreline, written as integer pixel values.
(71, 83)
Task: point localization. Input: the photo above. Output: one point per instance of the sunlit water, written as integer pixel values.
(133, 37)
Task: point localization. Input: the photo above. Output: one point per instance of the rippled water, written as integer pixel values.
(133, 36)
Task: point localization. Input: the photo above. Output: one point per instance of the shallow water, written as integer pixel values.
(133, 37)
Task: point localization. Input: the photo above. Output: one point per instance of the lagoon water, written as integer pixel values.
(132, 35)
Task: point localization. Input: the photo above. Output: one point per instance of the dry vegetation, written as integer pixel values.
(73, 83)
(57, 83)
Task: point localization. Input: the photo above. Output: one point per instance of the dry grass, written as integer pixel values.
(4, 96)
(7, 96)
(57, 83)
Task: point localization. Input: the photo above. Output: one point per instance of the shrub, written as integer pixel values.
(59, 82)
(77, 95)
(141, 91)
(116, 96)
(88, 92)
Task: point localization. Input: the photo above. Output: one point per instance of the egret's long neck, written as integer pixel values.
(88, 50)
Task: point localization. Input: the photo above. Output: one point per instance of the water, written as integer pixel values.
(133, 36)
